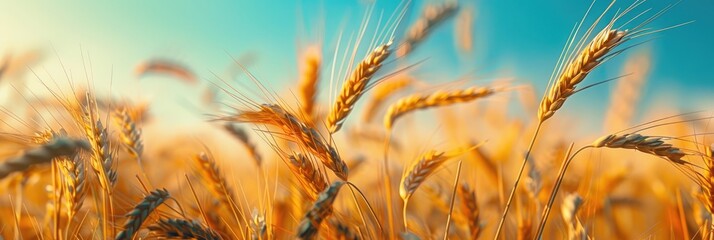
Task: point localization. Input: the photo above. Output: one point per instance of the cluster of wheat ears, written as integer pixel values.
(308, 169)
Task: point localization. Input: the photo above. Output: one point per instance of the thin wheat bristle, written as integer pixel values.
(469, 208)
(140, 213)
(308, 175)
(130, 134)
(320, 210)
(574, 73)
(215, 181)
(427, 164)
(382, 92)
(173, 228)
(299, 132)
(431, 17)
(242, 136)
(646, 144)
(355, 85)
(58, 147)
(439, 98)
(310, 78)
(571, 206)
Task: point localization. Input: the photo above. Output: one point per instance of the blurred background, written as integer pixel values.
(519, 40)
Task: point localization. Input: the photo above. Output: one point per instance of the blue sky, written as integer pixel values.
(520, 39)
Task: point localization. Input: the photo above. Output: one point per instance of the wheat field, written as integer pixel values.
(365, 141)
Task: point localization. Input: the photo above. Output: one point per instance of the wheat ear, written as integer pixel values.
(307, 87)
(439, 98)
(141, 212)
(310, 177)
(215, 180)
(130, 134)
(431, 17)
(42, 154)
(646, 144)
(427, 164)
(74, 180)
(355, 86)
(469, 208)
(341, 230)
(321, 209)
(183, 229)
(242, 136)
(576, 71)
(381, 93)
(569, 209)
(299, 132)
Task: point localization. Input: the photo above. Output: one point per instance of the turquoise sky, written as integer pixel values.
(520, 39)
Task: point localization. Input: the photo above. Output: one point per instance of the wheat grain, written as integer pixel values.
(355, 86)
(141, 211)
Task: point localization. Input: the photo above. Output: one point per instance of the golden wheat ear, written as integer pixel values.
(140, 213)
(355, 86)
(432, 16)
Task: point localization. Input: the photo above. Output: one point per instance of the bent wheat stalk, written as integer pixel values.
(590, 57)
(655, 146)
(355, 86)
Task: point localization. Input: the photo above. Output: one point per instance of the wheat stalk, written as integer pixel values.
(320, 210)
(439, 98)
(308, 175)
(431, 17)
(141, 211)
(355, 86)
(381, 93)
(184, 229)
(242, 136)
(299, 132)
